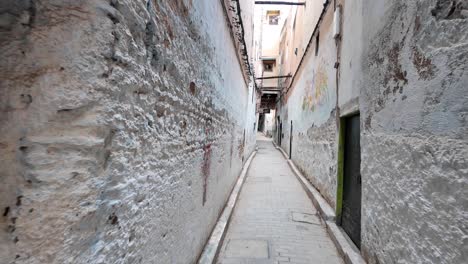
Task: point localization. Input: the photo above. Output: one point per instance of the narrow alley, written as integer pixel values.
(274, 220)
(233, 132)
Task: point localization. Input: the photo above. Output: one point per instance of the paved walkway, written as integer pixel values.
(274, 221)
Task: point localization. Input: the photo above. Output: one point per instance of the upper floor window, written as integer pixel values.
(268, 65)
(273, 17)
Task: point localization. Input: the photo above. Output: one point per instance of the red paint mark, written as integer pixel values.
(206, 168)
(231, 151)
(241, 147)
(192, 88)
(423, 64)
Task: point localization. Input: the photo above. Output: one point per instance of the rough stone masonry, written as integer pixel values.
(123, 128)
(414, 144)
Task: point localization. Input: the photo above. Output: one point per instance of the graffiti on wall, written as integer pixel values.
(316, 91)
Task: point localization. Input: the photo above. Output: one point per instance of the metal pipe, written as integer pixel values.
(290, 141)
(278, 3)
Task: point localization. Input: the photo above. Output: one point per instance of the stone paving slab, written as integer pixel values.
(274, 213)
(247, 248)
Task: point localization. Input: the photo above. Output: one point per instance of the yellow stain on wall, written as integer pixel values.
(316, 90)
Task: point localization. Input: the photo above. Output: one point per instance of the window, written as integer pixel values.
(273, 17)
(317, 40)
(268, 65)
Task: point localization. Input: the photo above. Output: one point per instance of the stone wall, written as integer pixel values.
(124, 126)
(403, 67)
(414, 132)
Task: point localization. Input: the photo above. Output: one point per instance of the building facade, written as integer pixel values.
(374, 116)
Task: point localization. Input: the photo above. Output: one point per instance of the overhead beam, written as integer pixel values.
(274, 77)
(278, 3)
(270, 91)
(271, 88)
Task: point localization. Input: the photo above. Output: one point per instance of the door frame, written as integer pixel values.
(340, 165)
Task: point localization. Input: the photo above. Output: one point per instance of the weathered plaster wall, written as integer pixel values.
(271, 33)
(124, 127)
(248, 16)
(269, 124)
(414, 137)
(300, 26)
(251, 124)
(350, 74)
(307, 17)
(310, 104)
(403, 66)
